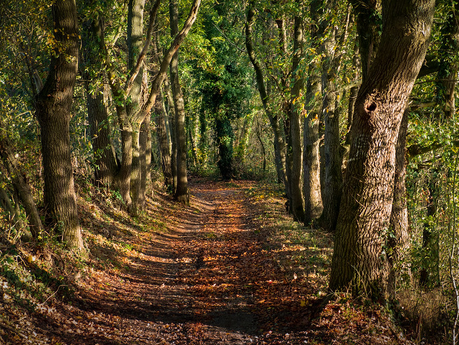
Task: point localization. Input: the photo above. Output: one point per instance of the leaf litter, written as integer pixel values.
(230, 269)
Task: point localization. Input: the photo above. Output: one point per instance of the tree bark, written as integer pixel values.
(106, 166)
(172, 135)
(164, 143)
(368, 26)
(134, 40)
(181, 191)
(297, 206)
(53, 112)
(312, 192)
(332, 160)
(366, 205)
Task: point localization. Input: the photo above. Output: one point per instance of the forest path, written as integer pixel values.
(210, 277)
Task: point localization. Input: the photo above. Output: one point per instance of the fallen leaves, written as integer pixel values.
(230, 269)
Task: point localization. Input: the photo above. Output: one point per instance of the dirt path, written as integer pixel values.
(205, 280)
(232, 268)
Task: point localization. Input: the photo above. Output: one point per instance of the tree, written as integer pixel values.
(358, 258)
(181, 189)
(105, 162)
(266, 97)
(132, 115)
(296, 111)
(53, 112)
(312, 192)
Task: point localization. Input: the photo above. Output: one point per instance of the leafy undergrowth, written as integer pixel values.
(230, 269)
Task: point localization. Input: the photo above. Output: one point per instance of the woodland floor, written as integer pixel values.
(229, 269)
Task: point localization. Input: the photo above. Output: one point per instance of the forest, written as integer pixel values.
(229, 172)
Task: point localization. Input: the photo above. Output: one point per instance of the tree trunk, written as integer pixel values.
(172, 135)
(332, 157)
(297, 207)
(225, 136)
(146, 145)
(164, 143)
(312, 192)
(53, 112)
(134, 40)
(106, 166)
(181, 191)
(368, 27)
(279, 153)
(22, 189)
(358, 258)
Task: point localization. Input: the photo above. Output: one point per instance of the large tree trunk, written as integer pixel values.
(181, 191)
(297, 207)
(53, 112)
(358, 258)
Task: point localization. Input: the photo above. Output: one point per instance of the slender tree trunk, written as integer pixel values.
(368, 27)
(332, 158)
(263, 150)
(181, 191)
(225, 136)
(172, 134)
(21, 187)
(106, 166)
(144, 129)
(297, 205)
(312, 191)
(366, 205)
(53, 112)
(191, 129)
(279, 153)
(164, 143)
(332, 155)
(132, 115)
